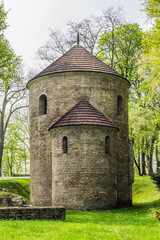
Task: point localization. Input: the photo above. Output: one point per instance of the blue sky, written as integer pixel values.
(29, 20)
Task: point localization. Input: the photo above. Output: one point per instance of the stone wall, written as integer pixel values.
(31, 213)
(63, 91)
(8, 200)
(85, 177)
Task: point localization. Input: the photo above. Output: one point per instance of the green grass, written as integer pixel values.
(17, 186)
(135, 223)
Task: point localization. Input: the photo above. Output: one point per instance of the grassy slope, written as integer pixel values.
(124, 224)
(18, 186)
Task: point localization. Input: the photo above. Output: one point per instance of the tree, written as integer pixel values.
(3, 15)
(121, 49)
(151, 56)
(16, 150)
(113, 19)
(144, 134)
(150, 67)
(89, 30)
(151, 7)
(12, 91)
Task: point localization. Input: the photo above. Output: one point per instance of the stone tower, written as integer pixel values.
(79, 147)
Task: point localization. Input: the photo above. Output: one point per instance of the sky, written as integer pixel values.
(30, 20)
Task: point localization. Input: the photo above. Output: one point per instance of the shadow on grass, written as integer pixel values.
(148, 205)
(141, 214)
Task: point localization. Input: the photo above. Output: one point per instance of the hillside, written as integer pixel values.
(17, 186)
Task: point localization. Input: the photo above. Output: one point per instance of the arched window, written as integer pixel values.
(42, 105)
(65, 145)
(120, 105)
(107, 145)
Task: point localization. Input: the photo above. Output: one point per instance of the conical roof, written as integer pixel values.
(77, 59)
(83, 113)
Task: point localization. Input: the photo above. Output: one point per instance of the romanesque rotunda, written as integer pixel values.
(79, 146)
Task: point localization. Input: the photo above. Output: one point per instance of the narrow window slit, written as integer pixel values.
(107, 145)
(120, 109)
(65, 145)
(43, 105)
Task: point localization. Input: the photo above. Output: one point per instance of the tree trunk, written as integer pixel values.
(138, 167)
(113, 46)
(139, 160)
(139, 163)
(143, 165)
(150, 166)
(25, 162)
(1, 154)
(11, 167)
(150, 169)
(147, 163)
(157, 158)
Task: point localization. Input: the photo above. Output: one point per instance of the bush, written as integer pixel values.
(157, 215)
(156, 178)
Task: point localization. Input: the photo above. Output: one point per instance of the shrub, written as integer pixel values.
(156, 178)
(157, 215)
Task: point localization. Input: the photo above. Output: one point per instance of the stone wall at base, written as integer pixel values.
(32, 213)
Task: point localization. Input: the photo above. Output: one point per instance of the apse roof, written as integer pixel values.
(77, 59)
(83, 113)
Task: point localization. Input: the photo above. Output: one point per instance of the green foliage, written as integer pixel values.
(151, 56)
(152, 8)
(3, 15)
(123, 47)
(156, 178)
(9, 62)
(16, 186)
(143, 131)
(144, 94)
(142, 122)
(16, 152)
(157, 215)
(10, 81)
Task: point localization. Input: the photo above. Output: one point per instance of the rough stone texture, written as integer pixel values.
(86, 177)
(64, 91)
(31, 213)
(8, 200)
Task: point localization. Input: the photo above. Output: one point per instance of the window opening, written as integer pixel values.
(107, 145)
(42, 105)
(120, 105)
(65, 145)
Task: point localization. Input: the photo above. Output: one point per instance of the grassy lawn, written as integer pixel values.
(17, 186)
(135, 223)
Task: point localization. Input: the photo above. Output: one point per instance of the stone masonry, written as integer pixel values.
(85, 177)
(32, 213)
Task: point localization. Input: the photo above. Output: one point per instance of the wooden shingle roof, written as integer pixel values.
(77, 59)
(83, 113)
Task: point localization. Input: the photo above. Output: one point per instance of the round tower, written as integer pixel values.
(70, 163)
